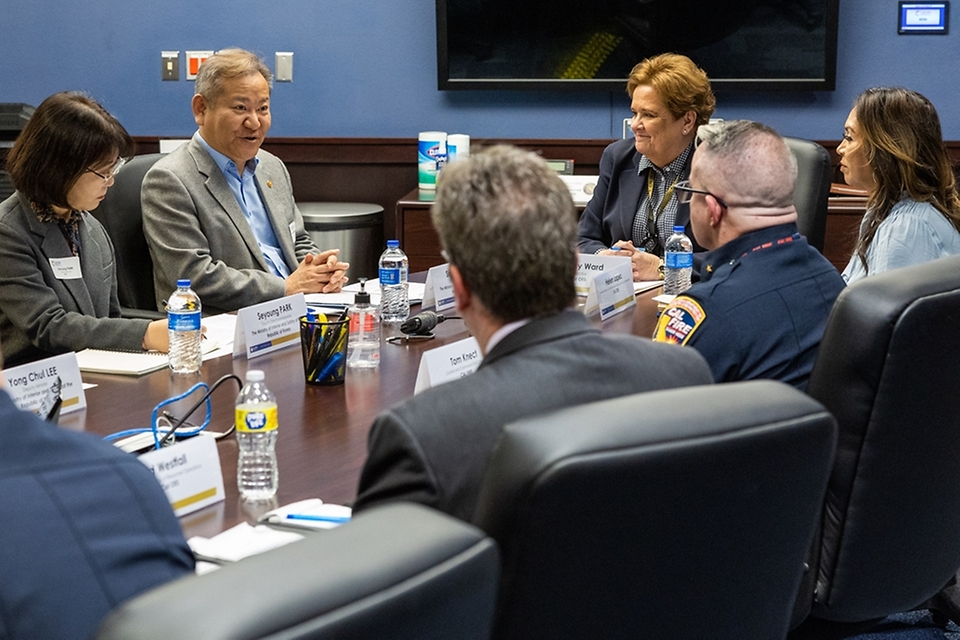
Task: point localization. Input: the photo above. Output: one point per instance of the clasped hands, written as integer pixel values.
(646, 266)
(320, 273)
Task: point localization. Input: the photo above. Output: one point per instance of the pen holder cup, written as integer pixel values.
(324, 347)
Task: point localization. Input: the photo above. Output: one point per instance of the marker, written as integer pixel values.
(305, 516)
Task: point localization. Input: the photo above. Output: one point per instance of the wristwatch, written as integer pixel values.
(660, 268)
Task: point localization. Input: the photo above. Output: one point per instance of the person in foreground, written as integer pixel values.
(892, 148)
(761, 305)
(635, 204)
(58, 281)
(539, 353)
(220, 211)
(85, 527)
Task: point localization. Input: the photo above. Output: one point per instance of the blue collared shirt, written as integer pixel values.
(248, 196)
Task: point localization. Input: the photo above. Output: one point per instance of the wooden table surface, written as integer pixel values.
(323, 430)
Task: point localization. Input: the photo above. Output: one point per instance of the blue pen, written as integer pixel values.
(305, 516)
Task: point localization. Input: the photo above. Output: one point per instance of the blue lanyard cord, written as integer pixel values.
(157, 441)
(161, 437)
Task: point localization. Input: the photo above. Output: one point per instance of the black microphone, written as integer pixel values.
(422, 323)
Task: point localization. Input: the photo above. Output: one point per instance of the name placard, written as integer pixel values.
(189, 473)
(446, 363)
(269, 326)
(589, 265)
(611, 291)
(30, 385)
(438, 289)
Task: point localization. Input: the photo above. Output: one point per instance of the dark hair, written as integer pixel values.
(904, 147)
(66, 135)
(507, 221)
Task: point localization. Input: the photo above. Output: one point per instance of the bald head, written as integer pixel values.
(748, 163)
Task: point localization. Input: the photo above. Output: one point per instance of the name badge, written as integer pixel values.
(611, 291)
(31, 386)
(66, 268)
(189, 472)
(269, 326)
(589, 265)
(438, 289)
(446, 363)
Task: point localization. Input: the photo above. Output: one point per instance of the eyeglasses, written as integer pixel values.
(112, 172)
(685, 193)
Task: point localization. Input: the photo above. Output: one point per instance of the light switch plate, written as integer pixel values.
(170, 65)
(284, 66)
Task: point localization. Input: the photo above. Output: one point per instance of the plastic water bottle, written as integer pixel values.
(394, 300)
(256, 420)
(363, 345)
(677, 263)
(183, 326)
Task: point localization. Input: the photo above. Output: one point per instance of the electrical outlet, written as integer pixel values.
(284, 64)
(170, 65)
(194, 60)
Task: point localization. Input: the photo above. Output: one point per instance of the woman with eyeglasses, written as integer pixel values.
(58, 281)
(635, 206)
(893, 148)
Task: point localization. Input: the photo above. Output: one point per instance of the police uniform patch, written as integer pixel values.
(679, 320)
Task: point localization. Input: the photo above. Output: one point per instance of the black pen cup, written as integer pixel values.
(324, 347)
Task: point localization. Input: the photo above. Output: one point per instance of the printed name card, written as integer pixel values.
(611, 291)
(446, 363)
(189, 472)
(66, 268)
(438, 289)
(31, 385)
(269, 326)
(589, 265)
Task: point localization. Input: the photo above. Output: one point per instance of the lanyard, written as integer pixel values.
(652, 217)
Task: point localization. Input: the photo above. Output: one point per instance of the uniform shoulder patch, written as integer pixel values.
(679, 320)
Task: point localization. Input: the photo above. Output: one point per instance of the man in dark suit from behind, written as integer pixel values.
(85, 526)
(508, 227)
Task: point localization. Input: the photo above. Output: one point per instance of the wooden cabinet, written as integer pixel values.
(415, 231)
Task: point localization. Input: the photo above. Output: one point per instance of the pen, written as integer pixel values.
(305, 516)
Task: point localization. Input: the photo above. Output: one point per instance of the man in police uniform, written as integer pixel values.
(761, 305)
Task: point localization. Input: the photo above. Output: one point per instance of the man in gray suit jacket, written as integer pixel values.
(508, 227)
(220, 211)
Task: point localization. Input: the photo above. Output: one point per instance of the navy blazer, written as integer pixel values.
(608, 216)
(85, 527)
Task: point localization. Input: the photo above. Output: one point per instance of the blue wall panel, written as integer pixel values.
(367, 68)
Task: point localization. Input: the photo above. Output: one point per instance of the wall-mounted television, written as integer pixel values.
(744, 45)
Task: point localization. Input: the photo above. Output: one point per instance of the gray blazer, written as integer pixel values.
(41, 315)
(195, 229)
(433, 448)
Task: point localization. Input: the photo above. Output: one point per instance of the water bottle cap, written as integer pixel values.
(254, 375)
(678, 228)
(393, 244)
(183, 283)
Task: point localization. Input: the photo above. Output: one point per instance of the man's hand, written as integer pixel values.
(321, 273)
(646, 266)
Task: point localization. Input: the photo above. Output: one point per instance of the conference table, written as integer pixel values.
(322, 438)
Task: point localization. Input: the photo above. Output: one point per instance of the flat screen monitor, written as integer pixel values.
(574, 44)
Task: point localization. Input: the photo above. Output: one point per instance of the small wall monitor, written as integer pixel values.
(923, 18)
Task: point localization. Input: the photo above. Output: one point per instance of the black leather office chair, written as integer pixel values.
(811, 194)
(401, 571)
(121, 216)
(673, 514)
(888, 367)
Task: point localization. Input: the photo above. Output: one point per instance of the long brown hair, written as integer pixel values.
(904, 148)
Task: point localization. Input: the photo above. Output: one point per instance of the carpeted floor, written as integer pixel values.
(914, 625)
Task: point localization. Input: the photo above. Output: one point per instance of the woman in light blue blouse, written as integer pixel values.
(893, 148)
